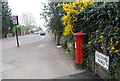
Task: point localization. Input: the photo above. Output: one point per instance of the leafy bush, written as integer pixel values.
(101, 23)
(19, 27)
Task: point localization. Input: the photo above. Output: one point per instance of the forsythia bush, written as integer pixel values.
(70, 9)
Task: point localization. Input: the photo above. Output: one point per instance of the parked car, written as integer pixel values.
(42, 33)
(37, 32)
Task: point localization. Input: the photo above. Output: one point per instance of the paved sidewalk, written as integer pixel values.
(37, 60)
(41, 60)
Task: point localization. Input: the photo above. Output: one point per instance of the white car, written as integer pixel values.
(42, 33)
(37, 32)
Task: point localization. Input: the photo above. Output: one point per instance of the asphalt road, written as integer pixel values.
(36, 58)
(26, 39)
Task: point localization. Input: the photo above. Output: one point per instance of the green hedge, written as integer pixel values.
(101, 22)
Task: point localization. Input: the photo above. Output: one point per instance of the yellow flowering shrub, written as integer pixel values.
(70, 9)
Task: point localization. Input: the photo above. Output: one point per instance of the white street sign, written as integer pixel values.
(102, 60)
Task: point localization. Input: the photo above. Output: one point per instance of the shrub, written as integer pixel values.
(101, 23)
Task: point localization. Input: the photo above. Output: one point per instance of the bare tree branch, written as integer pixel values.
(27, 19)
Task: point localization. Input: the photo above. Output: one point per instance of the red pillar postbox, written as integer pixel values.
(79, 47)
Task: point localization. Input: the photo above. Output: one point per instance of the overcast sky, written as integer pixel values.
(27, 6)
